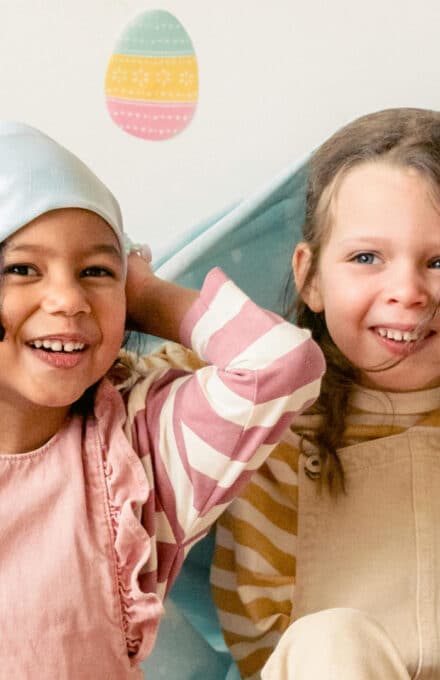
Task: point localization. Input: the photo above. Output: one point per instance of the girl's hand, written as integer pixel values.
(154, 306)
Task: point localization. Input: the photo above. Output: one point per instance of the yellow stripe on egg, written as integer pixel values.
(167, 79)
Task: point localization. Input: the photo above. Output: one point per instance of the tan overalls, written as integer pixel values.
(369, 563)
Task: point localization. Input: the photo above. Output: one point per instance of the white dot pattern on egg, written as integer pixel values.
(151, 84)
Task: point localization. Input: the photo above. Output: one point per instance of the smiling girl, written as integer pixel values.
(104, 484)
(327, 565)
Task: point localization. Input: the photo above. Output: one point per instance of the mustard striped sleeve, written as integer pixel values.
(253, 571)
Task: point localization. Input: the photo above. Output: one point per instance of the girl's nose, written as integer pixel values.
(408, 288)
(65, 295)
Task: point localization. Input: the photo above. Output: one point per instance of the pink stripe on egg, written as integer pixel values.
(150, 120)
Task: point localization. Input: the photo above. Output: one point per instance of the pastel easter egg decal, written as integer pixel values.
(151, 84)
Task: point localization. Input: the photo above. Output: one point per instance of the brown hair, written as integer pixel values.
(404, 137)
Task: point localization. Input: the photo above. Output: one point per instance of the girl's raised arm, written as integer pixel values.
(155, 306)
(204, 433)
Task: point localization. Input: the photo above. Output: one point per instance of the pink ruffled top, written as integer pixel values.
(72, 552)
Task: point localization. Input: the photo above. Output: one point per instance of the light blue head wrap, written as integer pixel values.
(38, 175)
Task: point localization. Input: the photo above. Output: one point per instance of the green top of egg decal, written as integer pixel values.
(151, 84)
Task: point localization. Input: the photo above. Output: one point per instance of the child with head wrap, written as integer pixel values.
(106, 483)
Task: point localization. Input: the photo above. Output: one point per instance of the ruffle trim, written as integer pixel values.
(127, 492)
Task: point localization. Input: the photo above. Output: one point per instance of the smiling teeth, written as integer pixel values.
(398, 336)
(58, 346)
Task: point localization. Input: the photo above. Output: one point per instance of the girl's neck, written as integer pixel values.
(395, 403)
(24, 430)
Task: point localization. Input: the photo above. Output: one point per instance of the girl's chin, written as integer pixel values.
(62, 402)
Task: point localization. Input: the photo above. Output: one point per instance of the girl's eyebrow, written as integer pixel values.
(98, 249)
(374, 240)
(364, 239)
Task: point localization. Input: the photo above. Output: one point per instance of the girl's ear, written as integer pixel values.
(311, 293)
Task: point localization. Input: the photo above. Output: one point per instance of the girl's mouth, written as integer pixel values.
(402, 343)
(58, 352)
(57, 346)
(402, 336)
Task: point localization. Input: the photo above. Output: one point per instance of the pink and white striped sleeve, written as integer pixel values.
(204, 433)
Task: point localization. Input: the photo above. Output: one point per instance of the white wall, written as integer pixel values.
(275, 78)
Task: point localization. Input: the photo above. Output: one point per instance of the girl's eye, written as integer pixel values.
(20, 270)
(365, 258)
(435, 264)
(96, 272)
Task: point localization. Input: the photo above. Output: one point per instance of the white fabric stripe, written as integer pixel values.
(146, 464)
(268, 413)
(243, 510)
(260, 456)
(240, 625)
(281, 470)
(223, 579)
(188, 516)
(161, 589)
(226, 304)
(182, 487)
(235, 408)
(274, 344)
(163, 528)
(227, 580)
(246, 557)
(243, 649)
(138, 394)
(226, 404)
(224, 537)
(286, 440)
(274, 593)
(251, 559)
(206, 522)
(271, 490)
(213, 463)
